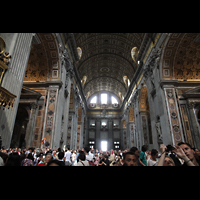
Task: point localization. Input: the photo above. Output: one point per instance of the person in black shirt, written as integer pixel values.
(104, 161)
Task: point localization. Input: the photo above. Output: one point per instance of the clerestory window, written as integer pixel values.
(114, 100)
(103, 98)
(94, 100)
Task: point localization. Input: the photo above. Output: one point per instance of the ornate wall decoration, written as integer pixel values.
(69, 131)
(38, 126)
(124, 135)
(145, 129)
(78, 136)
(4, 56)
(186, 124)
(6, 98)
(173, 114)
(50, 114)
(144, 100)
(132, 133)
(131, 115)
(72, 101)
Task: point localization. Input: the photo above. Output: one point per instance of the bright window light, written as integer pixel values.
(103, 123)
(94, 100)
(104, 98)
(104, 145)
(114, 100)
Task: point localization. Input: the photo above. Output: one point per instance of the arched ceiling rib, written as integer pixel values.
(106, 58)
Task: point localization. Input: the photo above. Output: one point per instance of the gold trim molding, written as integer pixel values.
(3, 67)
(6, 98)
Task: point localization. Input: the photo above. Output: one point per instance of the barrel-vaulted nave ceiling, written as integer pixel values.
(106, 59)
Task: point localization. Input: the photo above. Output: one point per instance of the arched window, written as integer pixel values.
(114, 100)
(94, 100)
(103, 98)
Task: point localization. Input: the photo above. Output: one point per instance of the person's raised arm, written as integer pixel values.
(162, 158)
(181, 154)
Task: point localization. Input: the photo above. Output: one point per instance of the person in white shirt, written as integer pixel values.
(73, 157)
(88, 154)
(67, 157)
(153, 160)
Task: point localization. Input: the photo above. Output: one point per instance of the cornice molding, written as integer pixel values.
(69, 38)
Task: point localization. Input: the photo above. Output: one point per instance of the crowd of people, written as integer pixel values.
(179, 155)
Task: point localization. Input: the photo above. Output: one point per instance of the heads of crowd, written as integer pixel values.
(181, 154)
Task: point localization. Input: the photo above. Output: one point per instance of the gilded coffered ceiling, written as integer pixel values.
(106, 58)
(181, 57)
(43, 63)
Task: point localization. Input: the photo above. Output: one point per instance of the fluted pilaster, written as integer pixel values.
(13, 81)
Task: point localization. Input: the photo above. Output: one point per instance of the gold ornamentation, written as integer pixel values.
(4, 56)
(2, 45)
(134, 53)
(6, 98)
(3, 67)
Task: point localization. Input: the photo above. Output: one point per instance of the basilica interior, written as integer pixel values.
(102, 90)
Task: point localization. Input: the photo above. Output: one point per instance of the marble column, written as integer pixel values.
(132, 134)
(66, 112)
(74, 144)
(121, 133)
(71, 128)
(31, 125)
(82, 128)
(145, 128)
(127, 130)
(60, 118)
(194, 123)
(50, 115)
(75, 120)
(66, 87)
(153, 109)
(57, 121)
(110, 134)
(173, 116)
(87, 131)
(137, 121)
(98, 126)
(19, 46)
